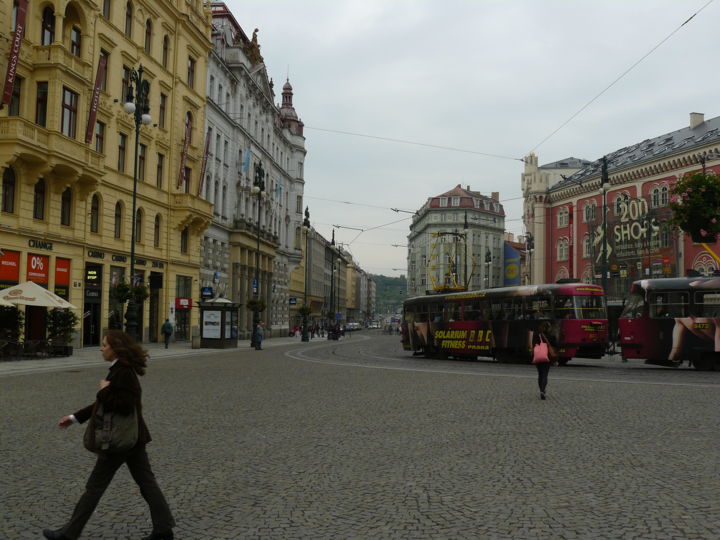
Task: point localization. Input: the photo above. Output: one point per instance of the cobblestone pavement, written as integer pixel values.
(358, 439)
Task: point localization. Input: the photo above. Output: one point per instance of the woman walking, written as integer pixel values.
(543, 352)
(120, 393)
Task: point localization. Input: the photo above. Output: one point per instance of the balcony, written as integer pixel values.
(56, 55)
(190, 211)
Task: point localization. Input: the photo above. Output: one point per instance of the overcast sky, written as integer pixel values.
(489, 77)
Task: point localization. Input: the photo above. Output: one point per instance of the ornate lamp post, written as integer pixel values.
(466, 232)
(306, 226)
(488, 260)
(331, 312)
(258, 189)
(137, 103)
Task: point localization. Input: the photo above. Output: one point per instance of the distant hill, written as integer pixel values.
(390, 292)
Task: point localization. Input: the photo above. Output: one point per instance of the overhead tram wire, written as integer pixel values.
(621, 76)
(414, 143)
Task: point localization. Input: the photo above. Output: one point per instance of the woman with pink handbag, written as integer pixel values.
(543, 354)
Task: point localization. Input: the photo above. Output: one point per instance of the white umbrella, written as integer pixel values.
(5, 303)
(32, 294)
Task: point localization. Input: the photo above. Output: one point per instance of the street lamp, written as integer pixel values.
(258, 189)
(331, 312)
(604, 185)
(529, 247)
(306, 226)
(466, 231)
(488, 260)
(137, 105)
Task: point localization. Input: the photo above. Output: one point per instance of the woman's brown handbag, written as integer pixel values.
(111, 432)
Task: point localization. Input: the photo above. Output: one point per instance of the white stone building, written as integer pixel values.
(247, 131)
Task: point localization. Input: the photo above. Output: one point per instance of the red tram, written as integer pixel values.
(499, 323)
(670, 320)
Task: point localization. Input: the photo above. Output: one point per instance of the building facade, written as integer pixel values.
(456, 241)
(568, 216)
(253, 237)
(68, 153)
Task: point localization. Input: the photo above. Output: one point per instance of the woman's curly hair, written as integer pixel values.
(127, 350)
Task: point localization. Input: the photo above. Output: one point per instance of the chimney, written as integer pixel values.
(495, 196)
(468, 188)
(696, 119)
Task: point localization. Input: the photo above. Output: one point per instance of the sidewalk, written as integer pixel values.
(90, 356)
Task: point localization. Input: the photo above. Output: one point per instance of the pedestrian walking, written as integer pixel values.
(120, 393)
(167, 330)
(259, 335)
(543, 354)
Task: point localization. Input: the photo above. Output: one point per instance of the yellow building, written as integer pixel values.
(67, 198)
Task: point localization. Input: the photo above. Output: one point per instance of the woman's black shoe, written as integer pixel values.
(54, 535)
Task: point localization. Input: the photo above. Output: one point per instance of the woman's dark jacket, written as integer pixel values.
(121, 395)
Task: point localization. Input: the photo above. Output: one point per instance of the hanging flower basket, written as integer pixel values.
(695, 204)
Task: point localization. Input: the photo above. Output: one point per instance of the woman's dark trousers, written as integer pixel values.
(543, 369)
(105, 468)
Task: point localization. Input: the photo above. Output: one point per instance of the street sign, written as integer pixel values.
(338, 316)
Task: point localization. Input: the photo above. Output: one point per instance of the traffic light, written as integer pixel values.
(529, 242)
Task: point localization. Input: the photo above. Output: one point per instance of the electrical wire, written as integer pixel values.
(621, 76)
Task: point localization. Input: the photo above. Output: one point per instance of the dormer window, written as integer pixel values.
(443, 201)
(456, 201)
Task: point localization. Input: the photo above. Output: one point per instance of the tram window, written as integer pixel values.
(707, 304)
(564, 308)
(668, 304)
(451, 311)
(538, 308)
(496, 310)
(633, 307)
(471, 311)
(589, 307)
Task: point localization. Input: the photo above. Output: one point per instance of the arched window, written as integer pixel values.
(128, 19)
(562, 249)
(95, 214)
(664, 196)
(66, 207)
(156, 231)
(216, 197)
(563, 217)
(8, 190)
(139, 226)
(47, 35)
(620, 202)
(39, 200)
(118, 219)
(655, 198)
(166, 51)
(184, 237)
(148, 36)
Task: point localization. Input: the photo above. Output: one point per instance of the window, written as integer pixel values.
(298, 204)
(166, 51)
(655, 198)
(128, 19)
(47, 35)
(563, 217)
(14, 107)
(160, 169)
(156, 231)
(14, 15)
(163, 107)
(211, 88)
(95, 214)
(188, 173)
(100, 137)
(664, 196)
(191, 72)
(118, 219)
(138, 226)
(184, 240)
(125, 84)
(443, 202)
(148, 36)
(142, 154)
(122, 143)
(587, 246)
(455, 201)
(8, 190)
(75, 39)
(39, 200)
(65, 207)
(103, 81)
(590, 211)
(188, 126)
(620, 202)
(69, 113)
(106, 9)
(41, 99)
(562, 249)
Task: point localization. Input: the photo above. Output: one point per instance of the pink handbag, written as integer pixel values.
(540, 352)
